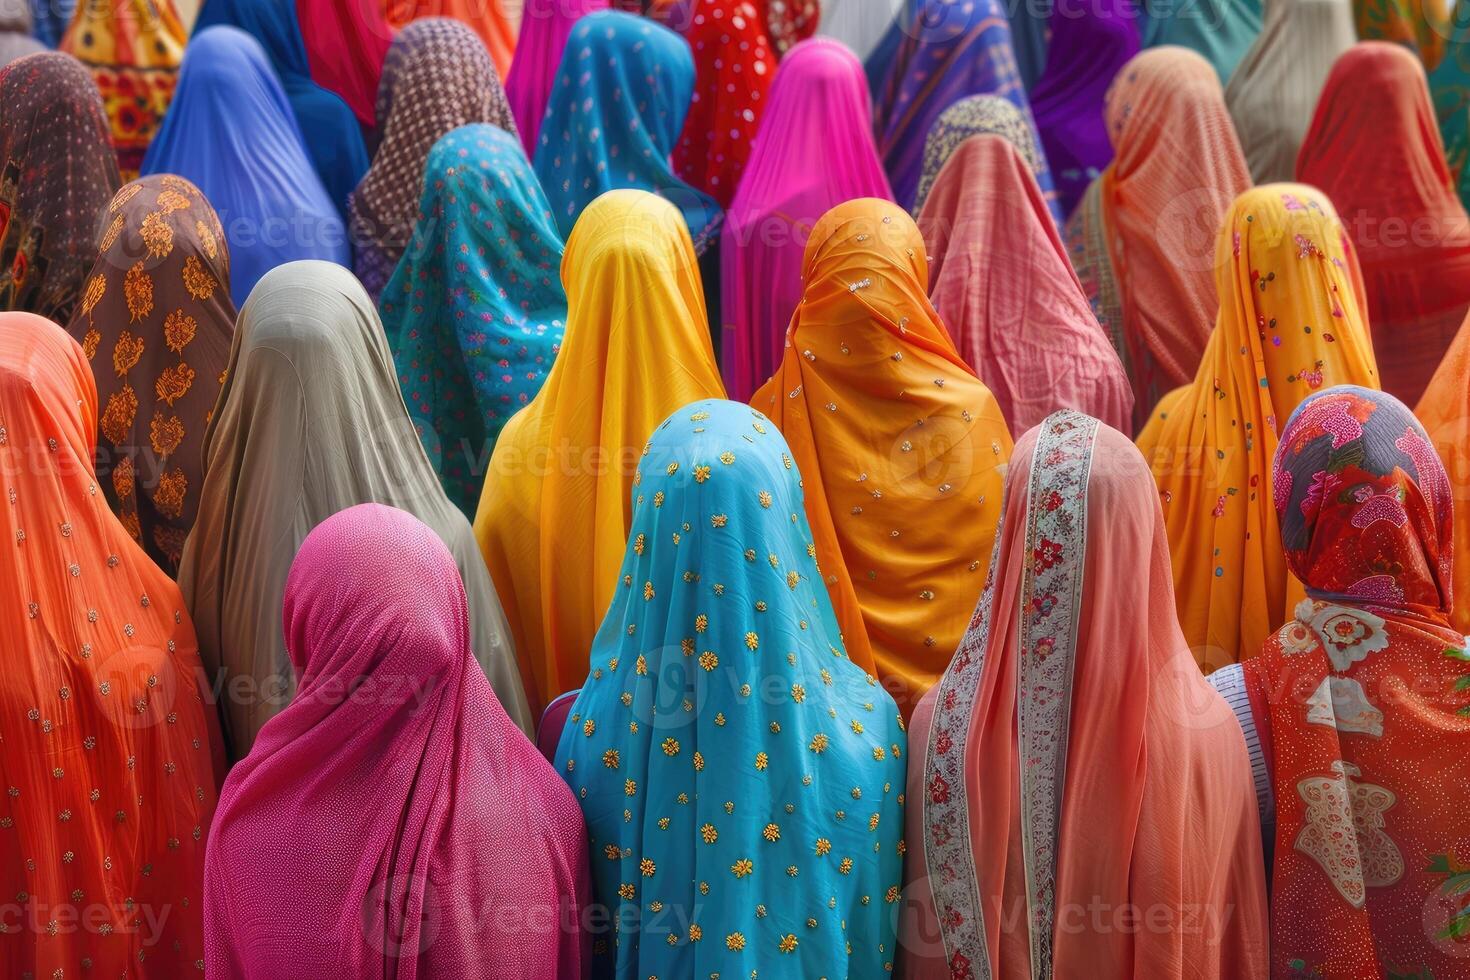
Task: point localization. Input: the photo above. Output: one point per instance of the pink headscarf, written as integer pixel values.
(391, 822)
(814, 150)
(545, 25)
(1000, 278)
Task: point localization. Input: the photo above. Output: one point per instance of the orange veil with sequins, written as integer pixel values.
(901, 448)
(1291, 321)
(107, 752)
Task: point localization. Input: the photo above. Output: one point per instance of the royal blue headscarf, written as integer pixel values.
(617, 107)
(331, 133)
(475, 310)
(230, 130)
(739, 775)
(936, 53)
(49, 19)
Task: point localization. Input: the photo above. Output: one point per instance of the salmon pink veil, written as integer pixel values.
(1080, 802)
(391, 822)
(814, 150)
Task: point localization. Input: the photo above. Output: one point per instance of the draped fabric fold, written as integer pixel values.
(554, 514)
(900, 447)
(486, 18)
(1444, 411)
(1072, 758)
(1292, 320)
(1143, 239)
(475, 311)
(736, 45)
(133, 49)
(545, 26)
(346, 42)
(330, 131)
(1421, 26)
(1089, 45)
(254, 168)
(1000, 278)
(108, 755)
(1374, 149)
(16, 24)
(310, 421)
(1449, 84)
(814, 150)
(436, 78)
(1359, 699)
(617, 108)
(156, 321)
(859, 24)
(1274, 89)
(941, 51)
(392, 808)
(742, 779)
(57, 173)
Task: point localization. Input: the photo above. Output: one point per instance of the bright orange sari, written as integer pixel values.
(901, 448)
(107, 754)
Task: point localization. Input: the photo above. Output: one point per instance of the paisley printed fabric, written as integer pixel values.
(742, 779)
(109, 759)
(1291, 321)
(475, 310)
(975, 116)
(1360, 700)
(1072, 755)
(437, 77)
(155, 321)
(134, 49)
(901, 447)
(57, 173)
(616, 110)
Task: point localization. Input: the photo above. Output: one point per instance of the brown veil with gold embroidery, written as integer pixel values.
(155, 319)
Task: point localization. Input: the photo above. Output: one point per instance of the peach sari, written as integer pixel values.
(1291, 321)
(900, 447)
(1143, 240)
(108, 753)
(1079, 800)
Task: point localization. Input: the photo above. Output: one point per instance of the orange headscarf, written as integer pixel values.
(1008, 295)
(1072, 770)
(1375, 149)
(108, 748)
(901, 448)
(1151, 219)
(1291, 322)
(1445, 413)
(487, 18)
(555, 510)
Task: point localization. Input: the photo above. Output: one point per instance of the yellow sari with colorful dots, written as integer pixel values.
(1292, 321)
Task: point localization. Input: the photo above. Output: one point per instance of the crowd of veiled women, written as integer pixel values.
(734, 488)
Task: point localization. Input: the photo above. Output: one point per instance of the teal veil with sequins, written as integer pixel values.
(741, 778)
